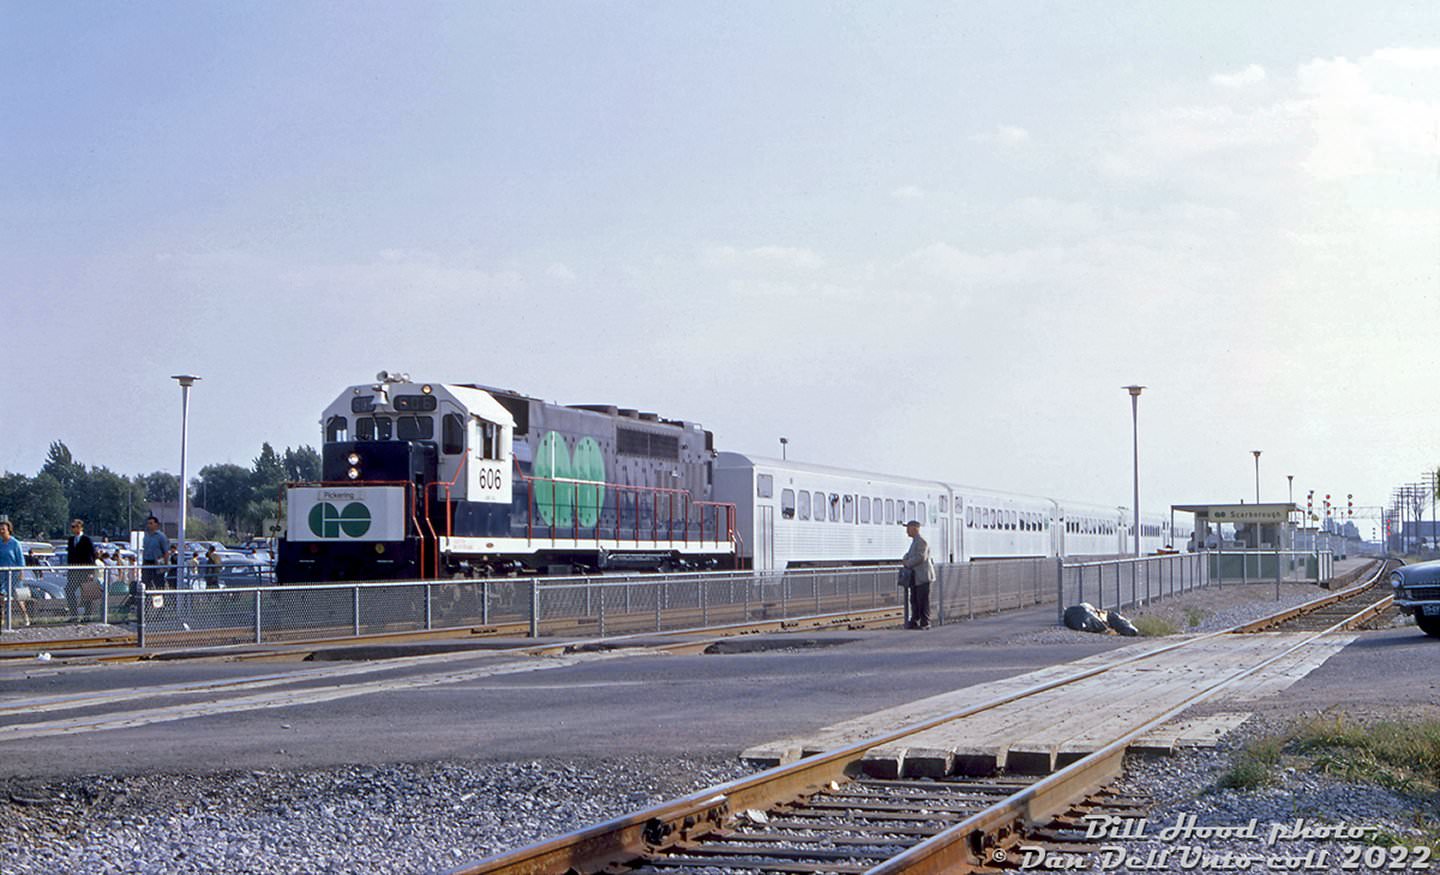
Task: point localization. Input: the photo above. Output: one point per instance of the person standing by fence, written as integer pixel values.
(917, 559)
(80, 556)
(153, 550)
(12, 581)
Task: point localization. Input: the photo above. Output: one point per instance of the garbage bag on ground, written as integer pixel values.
(1115, 620)
(1085, 618)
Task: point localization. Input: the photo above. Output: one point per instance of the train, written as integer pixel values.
(438, 480)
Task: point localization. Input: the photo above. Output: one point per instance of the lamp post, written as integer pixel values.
(1135, 447)
(1257, 475)
(783, 442)
(185, 381)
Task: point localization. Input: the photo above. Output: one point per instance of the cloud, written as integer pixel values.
(908, 193)
(761, 258)
(558, 271)
(1003, 135)
(1248, 76)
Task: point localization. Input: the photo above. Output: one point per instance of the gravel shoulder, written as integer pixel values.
(432, 816)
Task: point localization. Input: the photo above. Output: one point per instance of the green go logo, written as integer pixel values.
(326, 521)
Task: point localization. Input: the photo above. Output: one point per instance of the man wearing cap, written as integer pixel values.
(917, 559)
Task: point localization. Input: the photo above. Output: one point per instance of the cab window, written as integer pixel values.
(765, 485)
(452, 434)
(787, 504)
(337, 429)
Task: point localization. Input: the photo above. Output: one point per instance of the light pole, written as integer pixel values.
(783, 442)
(1290, 514)
(1135, 447)
(185, 381)
(1257, 475)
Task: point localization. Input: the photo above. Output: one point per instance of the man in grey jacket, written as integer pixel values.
(917, 559)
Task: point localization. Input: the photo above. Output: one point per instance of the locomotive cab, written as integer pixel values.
(398, 458)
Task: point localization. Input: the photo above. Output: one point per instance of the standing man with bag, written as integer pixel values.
(917, 559)
(80, 556)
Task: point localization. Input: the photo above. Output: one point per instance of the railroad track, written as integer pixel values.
(829, 812)
(1358, 607)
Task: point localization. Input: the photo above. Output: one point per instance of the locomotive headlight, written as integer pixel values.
(353, 473)
(426, 389)
(353, 458)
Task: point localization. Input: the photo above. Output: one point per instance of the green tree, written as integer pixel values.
(109, 503)
(268, 474)
(62, 466)
(302, 463)
(161, 486)
(37, 506)
(227, 490)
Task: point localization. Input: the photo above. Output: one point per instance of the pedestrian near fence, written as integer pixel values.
(12, 582)
(917, 561)
(80, 579)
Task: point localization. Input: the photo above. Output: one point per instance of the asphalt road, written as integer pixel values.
(505, 707)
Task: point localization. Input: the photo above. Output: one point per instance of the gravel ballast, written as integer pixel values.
(431, 817)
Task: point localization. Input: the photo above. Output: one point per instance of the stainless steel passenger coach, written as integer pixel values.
(795, 514)
(425, 480)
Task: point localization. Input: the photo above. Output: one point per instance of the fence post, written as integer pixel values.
(257, 617)
(485, 602)
(427, 608)
(1059, 591)
(355, 609)
(534, 608)
(704, 602)
(658, 584)
(139, 615)
(1277, 575)
(602, 612)
(105, 595)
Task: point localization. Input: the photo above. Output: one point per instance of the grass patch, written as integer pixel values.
(1400, 756)
(1193, 616)
(1254, 765)
(1155, 627)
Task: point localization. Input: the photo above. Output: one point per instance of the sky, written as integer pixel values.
(930, 239)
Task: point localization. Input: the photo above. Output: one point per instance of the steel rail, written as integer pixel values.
(958, 848)
(964, 846)
(1272, 620)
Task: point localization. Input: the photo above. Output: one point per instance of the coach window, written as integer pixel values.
(787, 504)
(803, 507)
(452, 434)
(834, 507)
(889, 510)
(864, 508)
(910, 511)
(337, 429)
(922, 518)
(969, 517)
(944, 504)
(819, 507)
(848, 509)
(765, 485)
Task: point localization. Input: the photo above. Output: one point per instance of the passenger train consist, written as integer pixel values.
(428, 480)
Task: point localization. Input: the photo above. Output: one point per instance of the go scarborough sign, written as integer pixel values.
(362, 513)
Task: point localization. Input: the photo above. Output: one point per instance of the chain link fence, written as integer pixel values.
(609, 605)
(1114, 584)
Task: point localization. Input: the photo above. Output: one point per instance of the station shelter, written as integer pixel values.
(1269, 526)
(1266, 526)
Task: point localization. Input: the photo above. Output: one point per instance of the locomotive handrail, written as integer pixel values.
(670, 492)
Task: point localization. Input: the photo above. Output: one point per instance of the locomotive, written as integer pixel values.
(430, 480)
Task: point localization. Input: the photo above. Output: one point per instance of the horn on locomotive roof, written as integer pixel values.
(392, 377)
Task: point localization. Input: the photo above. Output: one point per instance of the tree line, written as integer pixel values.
(113, 504)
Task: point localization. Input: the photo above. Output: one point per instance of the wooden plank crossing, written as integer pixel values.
(1048, 730)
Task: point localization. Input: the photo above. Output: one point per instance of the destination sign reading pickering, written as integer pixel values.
(361, 513)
